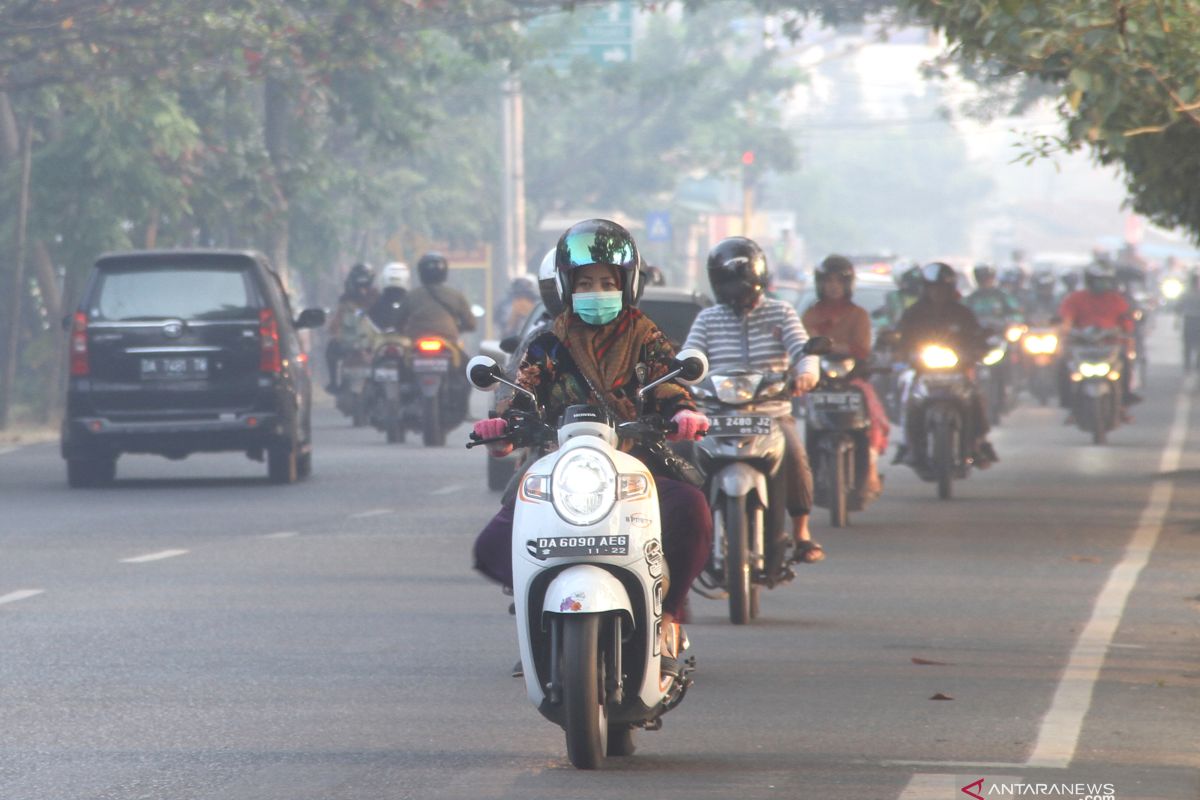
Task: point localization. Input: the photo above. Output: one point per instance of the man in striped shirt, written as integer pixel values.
(748, 330)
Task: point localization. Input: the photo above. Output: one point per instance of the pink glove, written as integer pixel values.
(691, 425)
(490, 429)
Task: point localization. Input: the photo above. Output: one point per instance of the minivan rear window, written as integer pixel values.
(174, 292)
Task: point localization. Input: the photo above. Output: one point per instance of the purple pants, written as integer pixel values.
(687, 540)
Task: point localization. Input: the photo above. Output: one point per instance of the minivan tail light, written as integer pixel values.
(270, 359)
(79, 346)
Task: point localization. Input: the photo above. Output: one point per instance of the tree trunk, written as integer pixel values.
(275, 127)
(18, 285)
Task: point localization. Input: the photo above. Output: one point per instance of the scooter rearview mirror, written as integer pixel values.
(693, 365)
(484, 373)
(818, 346)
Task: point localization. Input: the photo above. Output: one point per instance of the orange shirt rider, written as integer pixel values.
(1086, 309)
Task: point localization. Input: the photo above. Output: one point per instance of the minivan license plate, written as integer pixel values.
(174, 368)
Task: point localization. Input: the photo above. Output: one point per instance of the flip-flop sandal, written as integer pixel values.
(808, 552)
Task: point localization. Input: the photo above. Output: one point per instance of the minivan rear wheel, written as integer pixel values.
(283, 463)
(87, 472)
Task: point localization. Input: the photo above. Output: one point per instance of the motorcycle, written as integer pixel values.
(994, 374)
(353, 372)
(435, 393)
(589, 572)
(885, 375)
(1039, 347)
(1093, 359)
(384, 391)
(742, 457)
(836, 430)
(939, 393)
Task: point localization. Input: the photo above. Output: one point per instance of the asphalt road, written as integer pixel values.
(194, 632)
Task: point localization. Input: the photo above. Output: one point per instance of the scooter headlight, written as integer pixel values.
(994, 356)
(1015, 332)
(837, 367)
(1096, 369)
(936, 356)
(584, 486)
(736, 389)
(1172, 288)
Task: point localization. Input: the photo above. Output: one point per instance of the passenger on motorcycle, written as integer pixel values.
(591, 355)
(1098, 305)
(848, 325)
(434, 309)
(747, 330)
(939, 317)
(907, 292)
(358, 295)
(989, 301)
(1043, 303)
(385, 312)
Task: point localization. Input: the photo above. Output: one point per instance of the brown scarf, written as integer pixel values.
(607, 354)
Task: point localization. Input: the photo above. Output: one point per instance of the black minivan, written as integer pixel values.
(181, 351)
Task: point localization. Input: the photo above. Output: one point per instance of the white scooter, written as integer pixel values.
(589, 573)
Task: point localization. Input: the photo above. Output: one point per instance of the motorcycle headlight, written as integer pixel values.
(584, 486)
(736, 389)
(1172, 288)
(994, 356)
(1094, 369)
(1015, 332)
(936, 356)
(837, 367)
(1045, 344)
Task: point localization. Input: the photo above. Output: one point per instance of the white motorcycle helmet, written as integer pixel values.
(396, 274)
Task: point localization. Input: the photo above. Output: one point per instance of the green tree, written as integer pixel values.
(1127, 77)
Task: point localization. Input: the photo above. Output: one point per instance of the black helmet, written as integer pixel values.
(737, 272)
(910, 281)
(835, 266)
(548, 283)
(1100, 278)
(598, 241)
(939, 273)
(1043, 280)
(984, 272)
(432, 268)
(361, 277)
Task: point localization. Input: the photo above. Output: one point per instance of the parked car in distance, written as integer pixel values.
(174, 352)
(672, 309)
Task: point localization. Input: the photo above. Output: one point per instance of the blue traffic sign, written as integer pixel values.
(658, 226)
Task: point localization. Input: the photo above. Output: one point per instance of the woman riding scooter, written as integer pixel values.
(599, 351)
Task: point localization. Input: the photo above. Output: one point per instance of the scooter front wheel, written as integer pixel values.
(738, 581)
(586, 713)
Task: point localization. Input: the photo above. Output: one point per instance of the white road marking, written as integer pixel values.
(280, 535)
(1129, 646)
(954, 764)
(1059, 734)
(154, 556)
(374, 512)
(6, 450)
(448, 489)
(20, 594)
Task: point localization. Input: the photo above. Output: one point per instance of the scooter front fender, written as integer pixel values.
(739, 480)
(586, 589)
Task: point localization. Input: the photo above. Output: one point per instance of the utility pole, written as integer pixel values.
(513, 253)
(18, 285)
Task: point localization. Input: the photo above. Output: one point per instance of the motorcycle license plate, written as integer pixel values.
(431, 365)
(387, 374)
(739, 426)
(836, 401)
(568, 546)
(190, 368)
